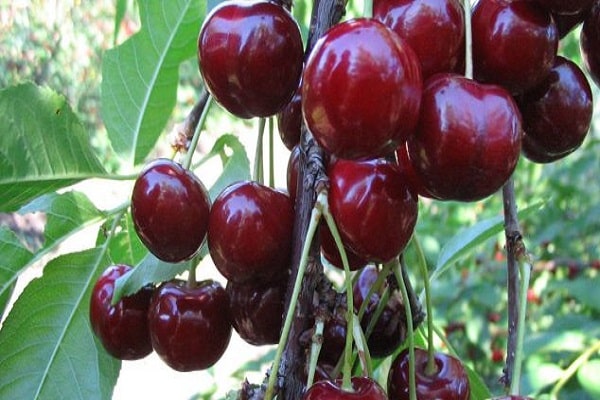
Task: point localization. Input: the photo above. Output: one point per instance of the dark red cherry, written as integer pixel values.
(122, 328)
(389, 330)
(434, 29)
(293, 168)
(257, 310)
(289, 122)
(334, 337)
(189, 325)
(590, 43)
(250, 232)
(330, 251)
(557, 114)
(250, 54)
(468, 140)
(415, 182)
(566, 23)
(373, 208)
(514, 43)
(361, 90)
(169, 208)
(566, 7)
(450, 381)
(363, 389)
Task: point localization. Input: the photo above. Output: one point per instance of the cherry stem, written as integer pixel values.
(468, 40)
(517, 265)
(191, 281)
(315, 349)
(258, 157)
(347, 367)
(572, 369)
(363, 351)
(187, 162)
(271, 155)
(368, 9)
(315, 217)
(412, 386)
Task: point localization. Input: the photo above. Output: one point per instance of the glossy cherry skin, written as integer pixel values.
(434, 29)
(468, 140)
(557, 114)
(566, 7)
(514, 43)
(169, 208)
(257, 310)
(414, 180)
(373, 208)
(122, 328)
(361, 90)
(449, 382)
(390, 329)
(590, 43)
(189, 326)
(330, 251)
(289, 122)
(364, 389)
(250, 55)
(250, 232)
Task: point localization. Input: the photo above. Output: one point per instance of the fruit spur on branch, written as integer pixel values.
(414, 99)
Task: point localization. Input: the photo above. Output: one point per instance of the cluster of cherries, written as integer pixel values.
(392, 102)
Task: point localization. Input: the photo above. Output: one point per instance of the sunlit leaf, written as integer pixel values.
(49, 350)
(587, 375)
(43, 146)
(13, 258)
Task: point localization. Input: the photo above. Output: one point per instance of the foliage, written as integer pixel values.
(47, 350)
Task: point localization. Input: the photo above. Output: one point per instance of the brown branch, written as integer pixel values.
(182, 133)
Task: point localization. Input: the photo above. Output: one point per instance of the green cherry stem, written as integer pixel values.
(258, 157)
(368, 9)
(525, 273)
(347, 367)
(468, 40)
(430, 368)
(412, 386)
(271, 154)
(315, 217)
(187, 162)
(362, 349)
(571, 369)
(315, 349)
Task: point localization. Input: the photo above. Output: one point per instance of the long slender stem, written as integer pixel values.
(431, 367)
(315, 349)
(525, 273)
(258, 157)
(412, 386)
(570, 371)
(198, 128)
(312, 227)
(271, 154)
(468, 40)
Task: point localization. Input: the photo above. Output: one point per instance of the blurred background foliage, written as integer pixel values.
(60, 44)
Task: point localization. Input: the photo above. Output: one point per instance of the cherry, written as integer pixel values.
(413, 179)
(250, 55)
(468, 140)
(566, 23)
(330, 251)
(566, 7)
(250, 232)
(334, 336)
(372, 206)
(289, 121)
(292, 172)
(450, 381)
(122, 328)
(257, 310)
(514, 43)
(361, 90)
(590, 43)
(169, 208)
(434, 29)
(557, 114)
(363, 388)
(189, 325)
(389, 330)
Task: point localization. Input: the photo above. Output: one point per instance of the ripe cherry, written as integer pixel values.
(566, 7)
(289, 122)
(557, 114)
(257, 310)
(250, 232)
(590, 43)
(363, 389)
(330, 251)
(468, 140)
(372, 206)
(389, 330)
(189, 325)
(169, 208)
(292, 172)
(122, 328)
(361, 90)
(413, 179)
(250, 55)
(514, 43)
(449, 381)
(434, 29)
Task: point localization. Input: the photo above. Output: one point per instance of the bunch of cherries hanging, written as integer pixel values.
(421, 99)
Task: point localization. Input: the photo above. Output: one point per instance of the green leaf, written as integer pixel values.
(125, 246)
(587, 375)
(48, 348)
(66, 214)
(463, 243)
(13, 258)
(43, 146)
(479, 390)
(140, 77)
(120, 9)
